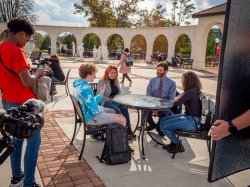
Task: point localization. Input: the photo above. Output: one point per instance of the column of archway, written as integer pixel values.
(150, 45)
(79, 39)
(53, 39)
(171, 47)
(103, 39)
(198, 50)
(127, 41)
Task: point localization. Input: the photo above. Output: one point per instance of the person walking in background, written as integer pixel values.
(112, 88)
(55, 67)
(16, 91)
(124, 69)
(217, 53)
(191, 99)
(162, 87)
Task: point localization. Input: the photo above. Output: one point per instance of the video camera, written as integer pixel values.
(21, 123)
(42, 61)
(47, 60)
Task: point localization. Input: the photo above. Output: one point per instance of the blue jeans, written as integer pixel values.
(169, 124)
(162, 114)
(30, 157)
(119, 109)
(54, 80)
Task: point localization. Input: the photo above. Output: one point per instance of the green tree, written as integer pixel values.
(181, 11)
(153, 18)
(138, 45)
(115, 42)
(46, 43)
(211, 44)
(183, 45)
(16, 8)
(160, 44)
(38, 38)
(91, 40)
(110, 13)
(67, 39)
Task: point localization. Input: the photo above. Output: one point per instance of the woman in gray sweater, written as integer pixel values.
(112, 88)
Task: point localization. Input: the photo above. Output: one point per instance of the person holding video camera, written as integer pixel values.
(15, 83)
(55, 67)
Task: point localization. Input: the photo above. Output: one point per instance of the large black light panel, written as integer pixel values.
(232, 154)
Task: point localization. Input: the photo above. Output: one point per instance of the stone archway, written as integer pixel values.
(214, 40)
(66, 43)
(138, 47)
(183, 46)
(160, 45)
(115, 42)
(42, 41)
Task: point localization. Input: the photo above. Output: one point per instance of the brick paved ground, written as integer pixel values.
(58, 162)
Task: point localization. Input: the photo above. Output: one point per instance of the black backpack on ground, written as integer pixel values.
(116, 149)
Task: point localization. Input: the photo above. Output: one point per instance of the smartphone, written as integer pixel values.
(41, 67)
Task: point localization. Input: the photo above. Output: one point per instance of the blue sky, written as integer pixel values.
(60, 12)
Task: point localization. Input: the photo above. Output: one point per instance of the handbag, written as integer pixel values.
(41, 86)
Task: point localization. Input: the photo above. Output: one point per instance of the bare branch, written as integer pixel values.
(16, 8)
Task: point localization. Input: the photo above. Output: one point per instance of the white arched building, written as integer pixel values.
(197, 34)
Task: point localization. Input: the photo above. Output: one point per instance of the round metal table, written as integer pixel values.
(145, 104)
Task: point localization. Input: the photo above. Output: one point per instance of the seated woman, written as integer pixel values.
(191, 100)
(93, 113)
(58, 74)
(112, 88)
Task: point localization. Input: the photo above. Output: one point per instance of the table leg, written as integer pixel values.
(138, 121)
(152, 137)
(143, 126)
(142, 133)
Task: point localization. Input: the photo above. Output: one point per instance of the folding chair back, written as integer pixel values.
(65, 82)
(87, 129)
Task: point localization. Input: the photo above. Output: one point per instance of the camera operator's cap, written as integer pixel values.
(35, 55)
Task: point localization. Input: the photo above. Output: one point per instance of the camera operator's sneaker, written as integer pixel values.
(17, 181)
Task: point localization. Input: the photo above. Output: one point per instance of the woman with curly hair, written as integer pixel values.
(112, 88)
(191, 99)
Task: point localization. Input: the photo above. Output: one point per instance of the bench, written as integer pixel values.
(156, 58)
(175, 61)
(201, 135)
(187, 63)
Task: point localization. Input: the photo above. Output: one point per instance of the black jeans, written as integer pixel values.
(125, 75)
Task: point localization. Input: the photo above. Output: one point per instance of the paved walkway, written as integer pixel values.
(58, 161)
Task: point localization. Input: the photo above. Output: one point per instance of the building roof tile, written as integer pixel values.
(213, 11)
